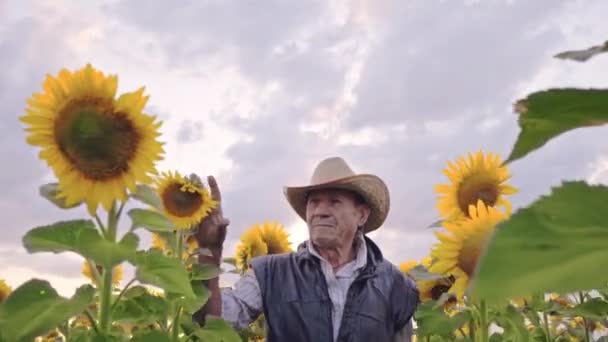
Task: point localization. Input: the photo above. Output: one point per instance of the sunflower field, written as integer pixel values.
(494, 274)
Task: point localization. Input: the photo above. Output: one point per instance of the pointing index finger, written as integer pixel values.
(214, 189)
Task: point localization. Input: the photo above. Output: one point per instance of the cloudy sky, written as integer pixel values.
(257, 93)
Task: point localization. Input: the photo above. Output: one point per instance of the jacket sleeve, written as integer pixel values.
(404, 295)
(243, 304)
(406, 334)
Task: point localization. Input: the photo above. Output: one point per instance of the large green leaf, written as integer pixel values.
(204, 272)
(191, 306)
(140, 306)
(146, 194)
(584, 54)
(557, 244)
(50, 191)
(432, 320)
(151, 220)
(35, 307)
(217, 330)
(80, 236)
(153, 267)
(547, 114)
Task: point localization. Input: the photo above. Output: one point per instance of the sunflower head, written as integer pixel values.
(5, 290)
(275, 237)
(117, 273)
(97, 145)
(267, 238)
(459, 249)
(185, 201)
(432, 290)
(476, 178)
(159, 242)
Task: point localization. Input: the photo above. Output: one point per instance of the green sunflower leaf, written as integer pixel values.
(204, 272)
(147, 195)
(140, 306)
(34, 308)
(202, 295)
(50, 192)
(545, 115)
(81, 237)
(421, 273)
(592, 308)
(216, 329)
(557, 244)
(152, 335)
(432, 320)
(514, 325)
(150, 220)
(168, 273)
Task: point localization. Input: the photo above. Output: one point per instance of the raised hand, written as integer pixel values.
(211, 231)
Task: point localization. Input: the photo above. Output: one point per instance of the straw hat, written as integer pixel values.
(335, 173)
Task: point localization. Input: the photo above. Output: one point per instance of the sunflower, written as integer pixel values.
(275, 237)
(97, 145)
(477, 178)
(268, 238)
(117, 273)
(433, 289)
(460, 247)
(159, 242)
(5, 290)
(428, 289)
(185, 201)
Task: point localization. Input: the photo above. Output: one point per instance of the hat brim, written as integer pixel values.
(370, 187)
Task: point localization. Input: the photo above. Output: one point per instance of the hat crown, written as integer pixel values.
(330, 170)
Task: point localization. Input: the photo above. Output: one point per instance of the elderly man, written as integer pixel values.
(337, 286)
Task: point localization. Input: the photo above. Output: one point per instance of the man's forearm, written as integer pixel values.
(213, 306)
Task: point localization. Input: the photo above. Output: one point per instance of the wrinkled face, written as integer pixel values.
(333, 216)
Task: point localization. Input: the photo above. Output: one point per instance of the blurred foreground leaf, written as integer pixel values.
(557, 244)
(584, 54)
(34, 308)
(547, 114)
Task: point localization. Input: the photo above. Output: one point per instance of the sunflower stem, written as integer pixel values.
(101, 225)
(106, 294)
(586, 326)
(175, 325)
(91, 320)
(179, 241)
(483, 321)
(106, 298)
(546, 324)
(122, 293)
(122, 205)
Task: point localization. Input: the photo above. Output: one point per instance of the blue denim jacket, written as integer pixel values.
(297, 307)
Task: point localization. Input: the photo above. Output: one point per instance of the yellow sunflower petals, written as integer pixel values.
(507, 189)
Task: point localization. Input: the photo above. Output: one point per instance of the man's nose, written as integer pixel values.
(321, 209)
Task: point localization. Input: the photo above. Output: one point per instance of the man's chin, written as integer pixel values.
(325, 241)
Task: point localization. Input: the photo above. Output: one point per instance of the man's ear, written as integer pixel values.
(365, 211)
